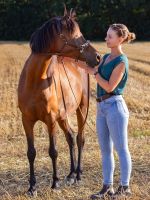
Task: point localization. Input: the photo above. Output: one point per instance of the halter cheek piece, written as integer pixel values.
(81, 48)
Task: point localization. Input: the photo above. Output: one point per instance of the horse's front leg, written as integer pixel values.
(70, 138)
(31, 153)
(81, 115)
(53, 153)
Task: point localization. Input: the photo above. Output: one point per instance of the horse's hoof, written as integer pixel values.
(56, 185)
(70, 181)
(79, 182)
(32, 193)
(78, 177)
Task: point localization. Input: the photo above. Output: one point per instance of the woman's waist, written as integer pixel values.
(108, 98)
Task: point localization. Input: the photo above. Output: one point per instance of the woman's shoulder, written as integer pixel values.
(124, 56)
(122, 59)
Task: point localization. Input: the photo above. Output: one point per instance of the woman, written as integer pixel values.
(112, 111)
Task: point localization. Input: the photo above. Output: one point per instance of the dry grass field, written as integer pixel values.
(13, 161)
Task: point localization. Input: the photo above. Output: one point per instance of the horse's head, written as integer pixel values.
(62, 36)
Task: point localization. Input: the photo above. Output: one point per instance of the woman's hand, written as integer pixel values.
(90, 70)
(87, 68)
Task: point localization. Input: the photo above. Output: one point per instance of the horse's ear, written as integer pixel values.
(65, 10)
(73, 13)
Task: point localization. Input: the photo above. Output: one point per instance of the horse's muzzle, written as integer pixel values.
(98, 58)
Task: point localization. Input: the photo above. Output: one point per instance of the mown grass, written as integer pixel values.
(13, 162)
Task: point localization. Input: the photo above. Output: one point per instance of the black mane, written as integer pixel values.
(41, 39)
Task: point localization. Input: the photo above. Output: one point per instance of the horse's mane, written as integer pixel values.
(41, 39)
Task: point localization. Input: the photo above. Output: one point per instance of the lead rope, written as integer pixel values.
(63, 97)
(76, 99)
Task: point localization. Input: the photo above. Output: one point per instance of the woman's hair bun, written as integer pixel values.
(123, 31)
(131, 37)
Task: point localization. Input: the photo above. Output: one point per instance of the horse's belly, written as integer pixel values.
(68, 106)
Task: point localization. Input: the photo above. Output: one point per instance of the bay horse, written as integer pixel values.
(45, 94)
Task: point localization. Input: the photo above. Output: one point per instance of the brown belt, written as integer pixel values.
(104, 97)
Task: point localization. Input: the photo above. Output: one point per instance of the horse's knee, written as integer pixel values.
(31, 153)
(70, 137)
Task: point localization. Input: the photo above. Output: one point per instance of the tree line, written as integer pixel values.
(20, 18)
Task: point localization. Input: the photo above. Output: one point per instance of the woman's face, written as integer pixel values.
(112, 39)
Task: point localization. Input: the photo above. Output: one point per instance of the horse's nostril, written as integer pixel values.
(98, 58)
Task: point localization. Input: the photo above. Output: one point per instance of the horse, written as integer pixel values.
(45, 94)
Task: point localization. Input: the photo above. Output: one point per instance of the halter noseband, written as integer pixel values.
(81, 48)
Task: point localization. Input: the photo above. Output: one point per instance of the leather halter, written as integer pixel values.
(81, 48)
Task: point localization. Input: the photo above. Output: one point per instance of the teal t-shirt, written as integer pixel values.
(105, 71)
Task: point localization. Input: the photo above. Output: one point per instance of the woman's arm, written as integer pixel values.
(114, 80)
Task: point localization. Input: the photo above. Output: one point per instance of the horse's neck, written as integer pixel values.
(37, 67)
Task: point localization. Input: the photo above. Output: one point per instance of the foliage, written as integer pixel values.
(19, 18)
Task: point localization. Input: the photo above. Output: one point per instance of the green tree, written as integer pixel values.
(19, 18)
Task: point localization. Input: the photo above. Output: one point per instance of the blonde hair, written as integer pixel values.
(123, 31)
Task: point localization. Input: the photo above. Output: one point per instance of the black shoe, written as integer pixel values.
(106, 191)
(122, 191)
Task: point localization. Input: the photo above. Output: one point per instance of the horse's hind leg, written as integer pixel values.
(31, 153)
(71, 140)
(53, 152)
(81, 115)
